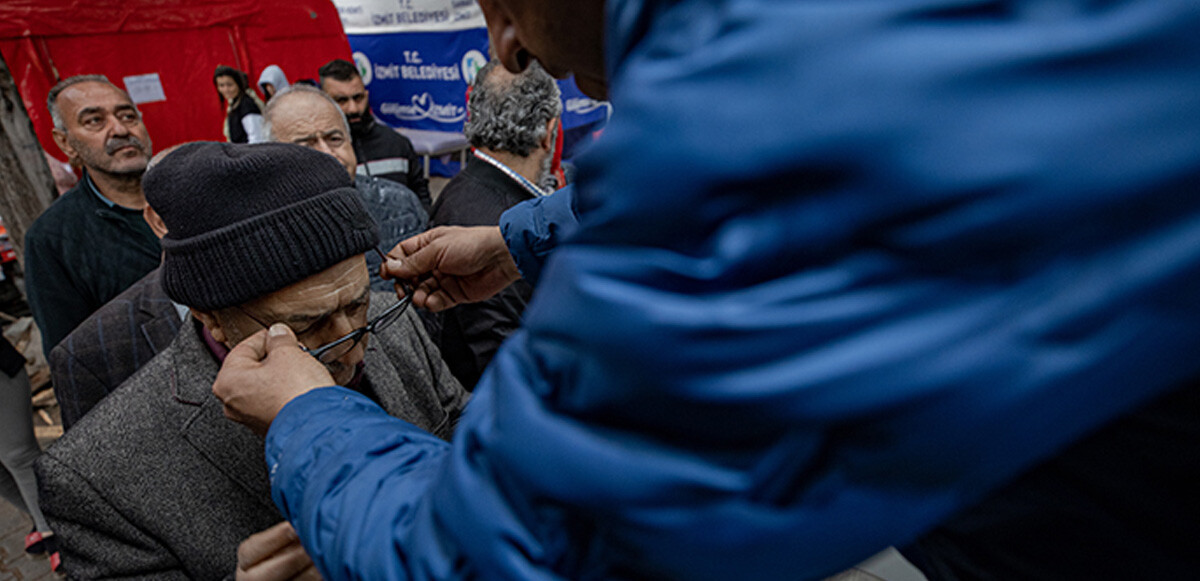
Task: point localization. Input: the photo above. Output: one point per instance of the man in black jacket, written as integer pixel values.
(381, 151)
(92, 243)
(512, 125)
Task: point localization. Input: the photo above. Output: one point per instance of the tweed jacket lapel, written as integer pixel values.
(398, 372)
(230, 447)
(387, 387)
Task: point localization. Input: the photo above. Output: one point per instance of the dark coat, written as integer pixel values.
(79, 254)
(384, 153)
(156, 483)
(233, 119)
(471, 333)
(113, 343)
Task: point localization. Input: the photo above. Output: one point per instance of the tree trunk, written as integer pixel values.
(26, 186)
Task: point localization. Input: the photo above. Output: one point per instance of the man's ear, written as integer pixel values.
(211, 322)
(155, 221)
(60, 139)
(552, 129)
(502, 33)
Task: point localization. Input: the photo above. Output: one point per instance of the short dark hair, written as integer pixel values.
(338, 70)
(56, 90)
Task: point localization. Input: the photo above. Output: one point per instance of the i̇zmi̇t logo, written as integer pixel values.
(472, 61)
(363, 64)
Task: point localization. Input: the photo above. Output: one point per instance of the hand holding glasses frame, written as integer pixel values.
(338, 348)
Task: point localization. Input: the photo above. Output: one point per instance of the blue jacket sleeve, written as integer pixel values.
(840, 269)
(315, 451)
(534, 228)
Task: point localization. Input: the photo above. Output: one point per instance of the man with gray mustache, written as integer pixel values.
(92, 243)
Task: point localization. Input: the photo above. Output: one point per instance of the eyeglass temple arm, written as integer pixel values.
(403, 285)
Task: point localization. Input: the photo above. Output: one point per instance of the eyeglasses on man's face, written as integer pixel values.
(338, 348)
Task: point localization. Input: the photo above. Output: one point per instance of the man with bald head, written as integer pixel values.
(92, 243)
(303, 115)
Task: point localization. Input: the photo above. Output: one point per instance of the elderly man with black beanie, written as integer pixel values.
(155, 482)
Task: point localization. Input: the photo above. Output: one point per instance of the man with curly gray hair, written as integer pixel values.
(515, 118)
(513, 121)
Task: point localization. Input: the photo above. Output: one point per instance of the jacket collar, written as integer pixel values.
(162, 319)
(528, 186)
(90, 187)
(495, 179)
(230, 447)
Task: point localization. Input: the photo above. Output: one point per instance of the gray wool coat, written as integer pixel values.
(155, 483)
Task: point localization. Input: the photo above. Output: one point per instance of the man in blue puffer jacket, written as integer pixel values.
(841, 270)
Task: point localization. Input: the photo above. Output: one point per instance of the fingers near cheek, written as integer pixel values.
(252, 349)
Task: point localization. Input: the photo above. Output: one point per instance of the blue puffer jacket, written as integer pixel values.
(841, 268)
(533, 230)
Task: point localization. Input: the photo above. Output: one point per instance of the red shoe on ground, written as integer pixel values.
(35, 542)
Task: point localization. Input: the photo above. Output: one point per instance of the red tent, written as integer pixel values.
(180, 41)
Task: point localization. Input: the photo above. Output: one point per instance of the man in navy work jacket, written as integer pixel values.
(842, 270)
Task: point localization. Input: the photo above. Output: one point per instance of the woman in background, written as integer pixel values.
(243, 109)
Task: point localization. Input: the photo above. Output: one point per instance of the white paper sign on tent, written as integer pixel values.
(145, 88)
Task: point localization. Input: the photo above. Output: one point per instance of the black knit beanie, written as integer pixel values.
(244, 221)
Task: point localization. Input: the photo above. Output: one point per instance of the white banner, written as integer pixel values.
(379, 16)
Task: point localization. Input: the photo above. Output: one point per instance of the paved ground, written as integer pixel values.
(15, 563)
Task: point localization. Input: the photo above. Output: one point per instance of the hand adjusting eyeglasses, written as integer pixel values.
(336, 349)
